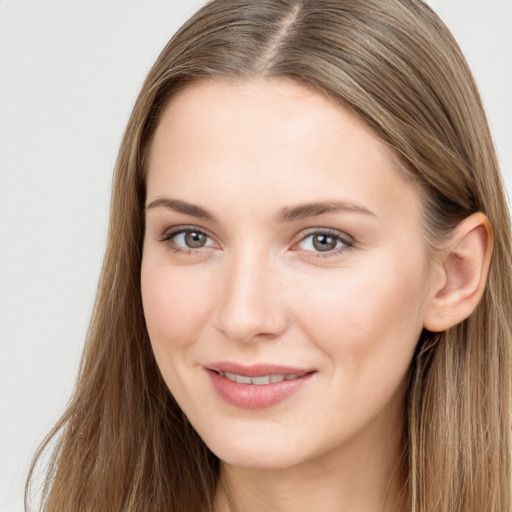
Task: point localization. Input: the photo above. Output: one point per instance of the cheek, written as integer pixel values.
(176, 305)
(366, 316)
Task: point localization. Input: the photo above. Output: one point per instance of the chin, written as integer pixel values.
(258, 459)
(269, 451)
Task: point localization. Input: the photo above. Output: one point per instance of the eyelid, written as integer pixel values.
(347, 240)
(175, 230)
(170, 233)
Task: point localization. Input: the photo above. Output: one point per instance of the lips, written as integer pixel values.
(260, 380)
(256, 386)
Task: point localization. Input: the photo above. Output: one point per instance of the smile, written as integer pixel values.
(259, 381)
(257, 386)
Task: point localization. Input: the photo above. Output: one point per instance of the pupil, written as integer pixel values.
(194, 239)
(324, 243)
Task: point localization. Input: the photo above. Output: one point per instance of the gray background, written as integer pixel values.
(69, 74)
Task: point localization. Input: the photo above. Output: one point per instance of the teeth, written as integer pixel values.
(258, 381)
(261, 380)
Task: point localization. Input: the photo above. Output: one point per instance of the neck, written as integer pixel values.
(362, 475)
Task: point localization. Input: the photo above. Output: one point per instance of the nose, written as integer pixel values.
(251, 306)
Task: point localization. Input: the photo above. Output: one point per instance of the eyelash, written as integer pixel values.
(168, 238)
(347, 242)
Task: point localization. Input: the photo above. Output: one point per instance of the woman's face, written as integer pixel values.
(284, 276)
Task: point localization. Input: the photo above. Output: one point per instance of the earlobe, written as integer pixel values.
(463, 266)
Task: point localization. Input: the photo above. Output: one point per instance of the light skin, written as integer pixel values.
(279, 231)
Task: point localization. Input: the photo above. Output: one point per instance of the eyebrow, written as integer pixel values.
(285, 214)
(305, 211)
(181, 207)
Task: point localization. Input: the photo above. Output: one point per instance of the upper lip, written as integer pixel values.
(256, 370)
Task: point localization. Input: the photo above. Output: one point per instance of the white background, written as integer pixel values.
(69, 74)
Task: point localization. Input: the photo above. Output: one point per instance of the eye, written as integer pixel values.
(187, 239)
(191, 239)
(324, 241)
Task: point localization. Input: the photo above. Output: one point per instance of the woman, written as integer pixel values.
(306, 296)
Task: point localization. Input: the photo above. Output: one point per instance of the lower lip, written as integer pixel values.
(252, 396)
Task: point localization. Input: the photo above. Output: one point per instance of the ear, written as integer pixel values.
(461, 274)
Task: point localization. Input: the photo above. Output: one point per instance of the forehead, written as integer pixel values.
(275, 142)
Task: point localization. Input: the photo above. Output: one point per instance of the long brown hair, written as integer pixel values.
(123, 443)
